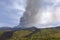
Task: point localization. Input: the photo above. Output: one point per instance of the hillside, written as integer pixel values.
(43, 34)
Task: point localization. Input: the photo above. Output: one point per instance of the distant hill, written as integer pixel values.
(16, 28)
(5, 28)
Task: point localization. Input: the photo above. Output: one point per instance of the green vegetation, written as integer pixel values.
(43, 34)
(1, 33)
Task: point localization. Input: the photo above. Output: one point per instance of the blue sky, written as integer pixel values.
(11, 11)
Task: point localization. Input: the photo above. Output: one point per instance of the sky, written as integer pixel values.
(50, 13)
(42, 14)
(12, 10)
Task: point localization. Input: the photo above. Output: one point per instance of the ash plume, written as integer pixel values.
(41, 13)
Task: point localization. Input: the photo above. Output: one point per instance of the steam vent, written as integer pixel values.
(41, 13)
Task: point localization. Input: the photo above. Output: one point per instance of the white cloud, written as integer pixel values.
(11, 11)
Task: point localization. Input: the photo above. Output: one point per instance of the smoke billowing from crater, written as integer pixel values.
(41, 13)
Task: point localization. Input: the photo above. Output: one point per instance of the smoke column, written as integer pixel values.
(41, 13)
